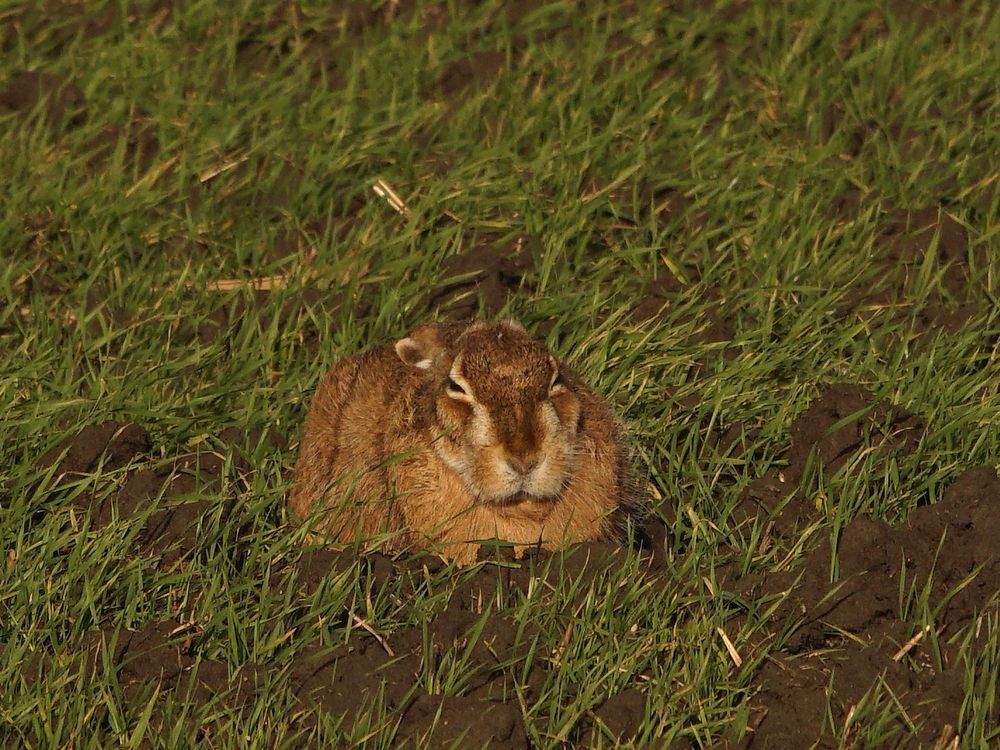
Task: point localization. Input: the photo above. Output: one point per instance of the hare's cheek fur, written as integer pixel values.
(453, 416)
(557, 449)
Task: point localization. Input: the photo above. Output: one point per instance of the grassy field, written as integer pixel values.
(715, 211)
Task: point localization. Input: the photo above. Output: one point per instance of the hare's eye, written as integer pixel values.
(454, 389)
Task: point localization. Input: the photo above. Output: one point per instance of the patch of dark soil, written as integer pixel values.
(158, 654)
(794, 694)
(478, 69)
(43, 236)
(904, 245)
(266, 187)
(430, 16)
(714, 329)
(651, 538)
(849, 204)
(844, 420)
(631, 204)
(665, 203)
(210, 680)
(718, 328)
(446, 721)
(323, 36)
(926, 14)
(62, 101)
(470, 639)
(320, 39)
(620, 49)
(159, 651)
(345, 679)
(316, 566)
(582, 562)
(655, 296)
(908, 237)
(535, 22)
(117, 443)
(219, 324)
(834, 120)
(870, 26)
(731, 439)
(171, 530)
(867, 420)
(289, 37)
(357, 16)
(505, 576)
(516, 10)
(278, 184)
(487, 645)
(245, 442)
(167, 493)
(256, 308)
(619, 717)
(55, 24)
(139, 145)
(484, 275)
(848, 634)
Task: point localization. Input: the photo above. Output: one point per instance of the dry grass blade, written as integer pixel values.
(260, 283)
(911, 644)
(733, 653)
(383, 190)
(213, 172)
(363, 624)
(154, 174)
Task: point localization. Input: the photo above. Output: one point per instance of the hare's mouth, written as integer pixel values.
(517, 498)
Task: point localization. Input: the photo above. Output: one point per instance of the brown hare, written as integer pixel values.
(456, 434)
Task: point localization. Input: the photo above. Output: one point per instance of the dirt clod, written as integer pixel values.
(845, 420)
(341, 681)
(171, 497)
(64, 102)
(896, 283)
(445, 720)
(849, 633)
(117, 442)
(140, 145)
(477, 69)
(622, 713)
(484, 275)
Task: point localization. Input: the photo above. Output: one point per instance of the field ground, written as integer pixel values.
(768, 232)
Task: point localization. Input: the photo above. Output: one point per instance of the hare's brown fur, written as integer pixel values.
(461, 433)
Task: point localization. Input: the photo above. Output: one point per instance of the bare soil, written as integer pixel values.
(846, 634)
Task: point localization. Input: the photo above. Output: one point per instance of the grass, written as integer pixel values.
(762, 117)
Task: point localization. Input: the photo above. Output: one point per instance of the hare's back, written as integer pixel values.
(348, 423)
(357, 395)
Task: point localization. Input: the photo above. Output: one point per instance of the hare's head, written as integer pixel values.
(505, 414)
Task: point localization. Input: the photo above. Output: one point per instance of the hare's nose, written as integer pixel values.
(522, 463)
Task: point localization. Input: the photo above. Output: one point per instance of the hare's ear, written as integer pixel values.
(420, 348)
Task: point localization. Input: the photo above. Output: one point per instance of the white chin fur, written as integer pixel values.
(546, 481)
(541, 483)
